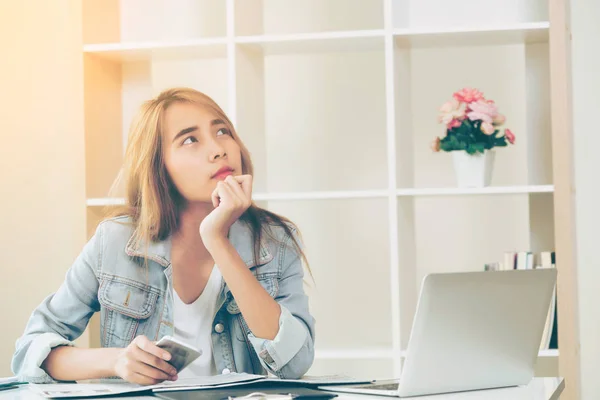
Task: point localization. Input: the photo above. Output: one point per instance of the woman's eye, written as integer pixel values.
(223, 131)
(189, 140)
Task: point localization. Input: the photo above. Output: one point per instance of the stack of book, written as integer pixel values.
(527, 260)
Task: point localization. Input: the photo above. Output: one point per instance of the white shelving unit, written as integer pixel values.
(337, 101)
(107, 201)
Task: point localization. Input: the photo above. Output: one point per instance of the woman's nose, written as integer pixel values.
(217, 151)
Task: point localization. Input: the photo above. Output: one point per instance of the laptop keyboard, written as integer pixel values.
(379, 386)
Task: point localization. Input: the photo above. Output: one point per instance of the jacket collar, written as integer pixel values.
(240, 236)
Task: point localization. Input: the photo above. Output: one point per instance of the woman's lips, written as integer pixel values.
(221, 176)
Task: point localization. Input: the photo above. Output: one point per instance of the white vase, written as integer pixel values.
(473, 171)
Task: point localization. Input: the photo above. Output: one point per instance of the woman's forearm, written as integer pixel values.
(259, 309)
(67, 363)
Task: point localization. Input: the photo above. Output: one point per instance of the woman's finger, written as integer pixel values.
(142, 379)
(145, 344)
(225, 193)
(236, 188)
(149, 371)
(246, 182)
(154, 361)
(215, 197)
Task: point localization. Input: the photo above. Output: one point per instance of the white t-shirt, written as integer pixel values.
(193, 325)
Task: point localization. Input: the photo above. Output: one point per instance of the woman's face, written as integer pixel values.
(198, 150)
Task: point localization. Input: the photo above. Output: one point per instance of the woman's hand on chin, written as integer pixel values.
(231, 198)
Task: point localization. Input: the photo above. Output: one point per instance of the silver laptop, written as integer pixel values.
(472, 330)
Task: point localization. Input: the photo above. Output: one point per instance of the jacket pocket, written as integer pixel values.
(126, 307)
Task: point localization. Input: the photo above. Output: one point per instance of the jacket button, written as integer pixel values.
(266, 357)
(219, 328)
(226, 371)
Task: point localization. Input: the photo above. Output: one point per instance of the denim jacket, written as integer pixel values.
(110, 276)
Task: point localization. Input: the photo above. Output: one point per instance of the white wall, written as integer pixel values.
(586, 106)
(42, 171)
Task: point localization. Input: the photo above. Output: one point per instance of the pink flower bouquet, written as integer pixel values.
(472, 124)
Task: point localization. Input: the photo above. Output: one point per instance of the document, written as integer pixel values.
(110, 387)
(9, 383)
(85, 389)
(4, 381)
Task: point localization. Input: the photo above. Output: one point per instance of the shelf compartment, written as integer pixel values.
(345, 244)
(152, 20)
(292, 112)
(255, 17)
(515, 77)
(461, 14)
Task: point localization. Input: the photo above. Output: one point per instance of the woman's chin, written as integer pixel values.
(199, 202)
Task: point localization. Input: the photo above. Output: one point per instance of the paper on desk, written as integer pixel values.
(69, 390)
(207, 382)
(109, 387)
(306, 381)
(8, 380)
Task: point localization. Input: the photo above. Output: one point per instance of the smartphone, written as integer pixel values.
(182, 354)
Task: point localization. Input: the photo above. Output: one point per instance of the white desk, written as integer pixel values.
(538, 389)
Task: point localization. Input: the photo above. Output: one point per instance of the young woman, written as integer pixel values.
(189, 256)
